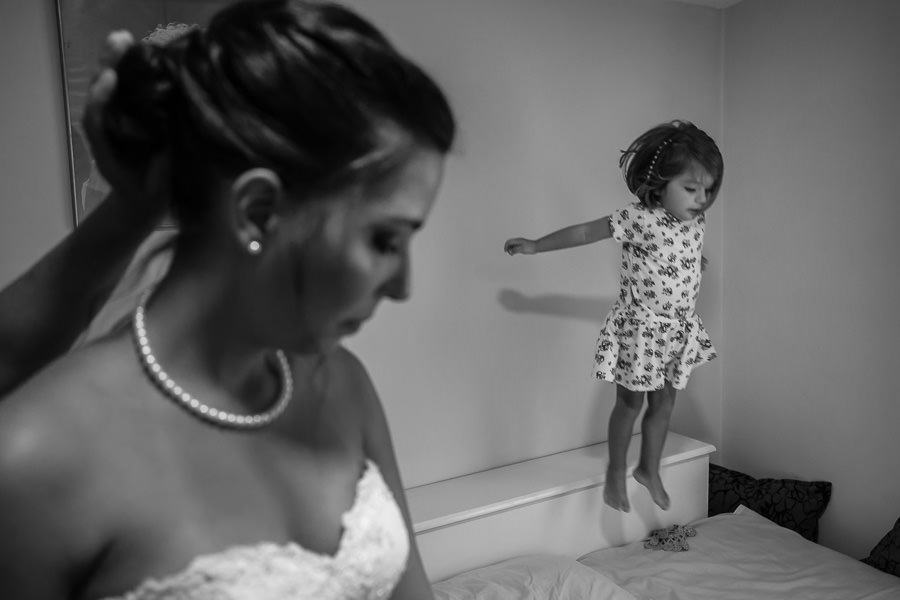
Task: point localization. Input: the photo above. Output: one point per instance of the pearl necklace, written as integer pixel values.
(200, 410)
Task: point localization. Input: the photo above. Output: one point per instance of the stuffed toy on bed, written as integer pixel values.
(671, 539)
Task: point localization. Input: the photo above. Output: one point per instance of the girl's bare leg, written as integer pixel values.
(654, 428)
(621, 422)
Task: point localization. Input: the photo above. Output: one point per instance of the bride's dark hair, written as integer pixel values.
(310, 90)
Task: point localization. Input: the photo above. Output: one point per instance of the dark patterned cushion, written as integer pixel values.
(886, 553)
(791, 503)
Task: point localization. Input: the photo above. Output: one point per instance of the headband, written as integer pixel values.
(655, 158)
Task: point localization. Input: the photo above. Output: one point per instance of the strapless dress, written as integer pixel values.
(370, 560)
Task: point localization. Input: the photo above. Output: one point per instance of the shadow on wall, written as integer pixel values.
(584, 308)
(592, 309)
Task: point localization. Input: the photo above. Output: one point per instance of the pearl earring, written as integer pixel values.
(254, 247)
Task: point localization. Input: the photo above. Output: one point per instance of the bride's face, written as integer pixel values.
(357, 255)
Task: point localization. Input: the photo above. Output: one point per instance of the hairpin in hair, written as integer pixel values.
(655, 158)
(163, 34)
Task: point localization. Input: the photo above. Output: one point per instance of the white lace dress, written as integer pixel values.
(370, 559)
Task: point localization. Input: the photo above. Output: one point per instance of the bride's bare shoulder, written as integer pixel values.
(50, 434)
(63, 409)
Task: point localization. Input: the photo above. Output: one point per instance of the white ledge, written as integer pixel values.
(452, 501)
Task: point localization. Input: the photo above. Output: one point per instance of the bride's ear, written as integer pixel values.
(256, 196)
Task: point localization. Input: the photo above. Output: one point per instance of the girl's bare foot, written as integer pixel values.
(655, 486)
(615, 492)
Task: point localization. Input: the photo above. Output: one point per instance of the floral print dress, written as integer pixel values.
(653, 335)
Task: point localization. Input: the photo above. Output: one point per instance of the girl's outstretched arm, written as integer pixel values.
(567, 237)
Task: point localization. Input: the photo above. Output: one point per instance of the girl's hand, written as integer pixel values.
(519, 246)
(140, 195)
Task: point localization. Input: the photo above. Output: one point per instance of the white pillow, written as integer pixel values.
(533, 577)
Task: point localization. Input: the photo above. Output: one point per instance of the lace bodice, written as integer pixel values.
(369, 561)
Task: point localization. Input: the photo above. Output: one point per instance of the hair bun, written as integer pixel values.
(137, 119)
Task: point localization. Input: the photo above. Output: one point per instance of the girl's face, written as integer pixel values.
(687, 196)
(357, 255)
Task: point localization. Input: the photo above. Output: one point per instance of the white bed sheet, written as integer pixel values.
(532, 577)
(742, 556)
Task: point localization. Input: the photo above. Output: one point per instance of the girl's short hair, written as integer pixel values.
(309, 89)
(665, 152)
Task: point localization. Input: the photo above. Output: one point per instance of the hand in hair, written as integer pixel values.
(141, 193)
(47, 307)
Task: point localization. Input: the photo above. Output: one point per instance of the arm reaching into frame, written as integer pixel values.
(567, 237)
(44, 310)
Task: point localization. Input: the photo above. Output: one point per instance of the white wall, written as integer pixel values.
(812, 145)
(35, 205)
(490, 361)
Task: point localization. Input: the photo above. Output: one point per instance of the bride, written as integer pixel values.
(224, 444)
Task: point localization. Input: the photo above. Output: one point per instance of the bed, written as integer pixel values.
(517, 541)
